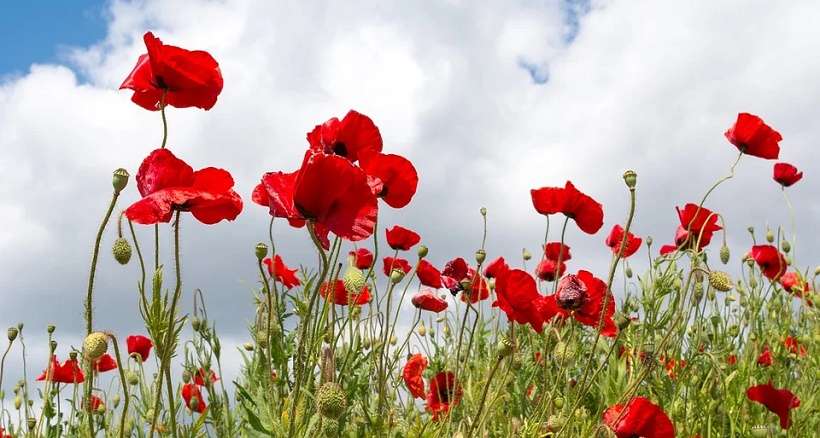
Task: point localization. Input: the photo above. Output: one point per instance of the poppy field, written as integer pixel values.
(678, 338)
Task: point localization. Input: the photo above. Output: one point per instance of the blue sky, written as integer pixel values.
(37, 31)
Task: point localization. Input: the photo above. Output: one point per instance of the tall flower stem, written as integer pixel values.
(126, 399)
(486, 390)
(95, 255)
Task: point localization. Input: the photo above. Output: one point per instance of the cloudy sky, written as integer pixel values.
(488, 99)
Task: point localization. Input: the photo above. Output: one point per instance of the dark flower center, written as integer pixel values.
(572, 293)
(339, 148)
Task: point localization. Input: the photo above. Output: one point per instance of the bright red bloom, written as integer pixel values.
(428, 274)
(200, 376)
(779, 401)
(281, 272)
(443, 393)
(391, 177)
(105, 363)
(731, 359)
(772, 263)
(95, 404)
(765, 357)
(428, 300)
(641, 418)
(362, 258)
(458, 276)
(696, 225)
(582, 297)
(672, 366)
(795, 347)
(793, 283)
(138, 344)
(327, 189)
(517, 295)
(401, 238)
(454, 271)
(412, 375)
(496, 268)
(350, 137)
(556, 250)
(587, 213)
(68, 372)
(167, 183)
(341, 297)
(786, 175)
(754, 137)
(3, 433)
(549, 269)
(189, 391)
(668, 249)
(475, 289)
(390, 263)
(616, 235)
(186, 78)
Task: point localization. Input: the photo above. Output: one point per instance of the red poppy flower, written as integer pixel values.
(668, 249)
(341, 297)
(428, 300)
(401, 238)
(95, 404)
(428, 274)
(167, 183)
(390, 263)
(754, 137)
(517, 295)
(68, 372)
(556, 250)
(353, 135)
(786, 175)
(582, 297)
(362, 258)
(616, 236)
(328, 190)
(794, 347)
(3, 433)
(187, 78)
(474, 287)
(549, 270)
(765, 357)
(587, 213)
(640, 417)
(412, 375)
(772, 263)
(105, 363)
(696, 225)
(779, 401)
(443, 393)
(391, 177)
(496, 268)
(281, 272)
(200, 376)
(672, 366)
(190, 391)
(731, 359)
(140, 345)
(454, 271)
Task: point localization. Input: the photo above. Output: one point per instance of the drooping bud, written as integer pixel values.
(720, 281)
(132, 378)
(12, 333)
(331, 400)
(422, 330)
(649, 240)
(724, 254)
(18, 402)
(628, 272)
(631, 179)
(480, 256)
(121, 250)
(119, 180)
(261, 251)
(422, 251)
(785, 246)
(95, 345)
(196, 323)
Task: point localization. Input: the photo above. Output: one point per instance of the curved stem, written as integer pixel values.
(484, 397)
(124, 384)
(94, 257)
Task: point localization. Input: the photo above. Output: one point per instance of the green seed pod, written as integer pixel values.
(331, 400)
(119, 180)
(12, 333)
(720, 281)
(631, 179)
(483, 211)
(505, 347)
(330, 427)
(50, 328)
(769, 236)
(261, 251)
(785, 246)
(95, 345)
(480, 256)
(422, 251)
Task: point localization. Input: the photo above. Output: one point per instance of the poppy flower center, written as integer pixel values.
(572, 293)
(444, 393)
(339, 148)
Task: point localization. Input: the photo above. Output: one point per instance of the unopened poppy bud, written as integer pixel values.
(393, 340)
(483, 211)
(132, 378)
(95, 345)
(121, 250)
(331, 400)
(396, 275)
(711, 295)
(769, 236)
(526, 254)
(119, 180)
(480, 256)
(12, 333)
(18, 402)
(196, 323)
(628, 272)
(505, 347)
(261, 251)
(248, 346)
(785, 246)
(422, 251)
(817, 270)
(631, 179)
(724, 254)
(720, 281)
(422, 330)
(186, 376)
(558, 402)
(354, 280)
